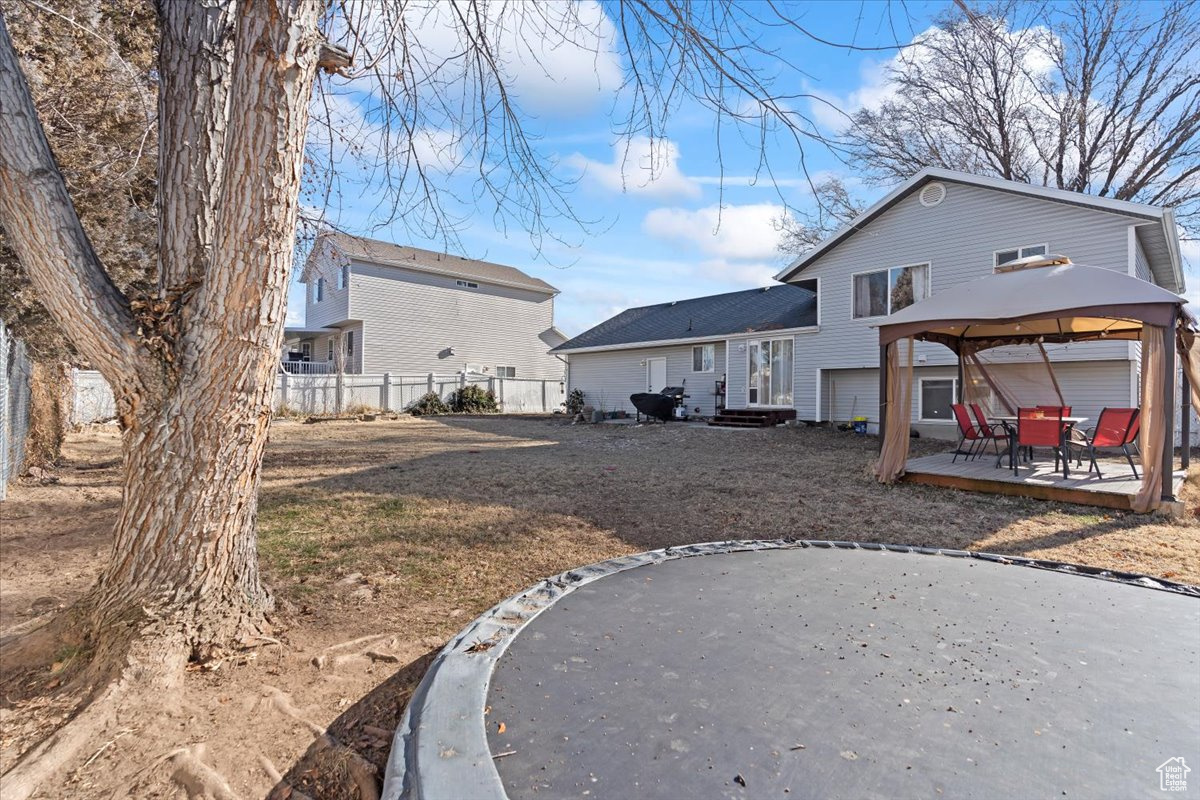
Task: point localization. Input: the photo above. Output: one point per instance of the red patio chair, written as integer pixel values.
(989, 434)
(967, 432)
(1065, 410)
(1116, 428)
(1041, 428)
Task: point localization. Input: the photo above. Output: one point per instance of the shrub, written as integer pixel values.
(575, 401)
(428, 404)
(473, 400)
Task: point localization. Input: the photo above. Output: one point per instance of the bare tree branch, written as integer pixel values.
(1101, 97)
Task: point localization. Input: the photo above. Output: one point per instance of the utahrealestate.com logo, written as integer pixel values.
(1172, 775)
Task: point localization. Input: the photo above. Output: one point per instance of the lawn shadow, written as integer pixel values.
(356, 746)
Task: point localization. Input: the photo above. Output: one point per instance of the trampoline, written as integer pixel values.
(812, 670)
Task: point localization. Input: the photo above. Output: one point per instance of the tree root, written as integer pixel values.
(137, 682)
(198, 779)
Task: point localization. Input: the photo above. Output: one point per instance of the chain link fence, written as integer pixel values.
(16, 381)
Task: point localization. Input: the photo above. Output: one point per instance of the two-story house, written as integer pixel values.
(938, 229)
(406, 310)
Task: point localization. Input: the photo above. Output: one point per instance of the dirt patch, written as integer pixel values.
(382, 539)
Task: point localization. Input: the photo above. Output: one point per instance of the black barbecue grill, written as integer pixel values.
(660, 405)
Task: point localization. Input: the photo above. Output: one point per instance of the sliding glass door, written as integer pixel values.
(770, 367)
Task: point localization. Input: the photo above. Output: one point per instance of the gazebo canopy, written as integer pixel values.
(1043, 298)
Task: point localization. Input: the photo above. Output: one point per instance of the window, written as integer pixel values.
(306, 351)
(349, 343)
(344, 277)
(1005, 256)
(329, 350)
(886, 291)
(936, 397)
(704, 358)
(320, 289)
(506, 372)
(467, 284)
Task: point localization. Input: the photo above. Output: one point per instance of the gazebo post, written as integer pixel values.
(883, 384)
(1168, 400)
(961, 392)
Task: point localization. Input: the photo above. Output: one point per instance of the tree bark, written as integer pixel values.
(194, 367)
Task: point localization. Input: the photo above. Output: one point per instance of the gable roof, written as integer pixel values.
(388, 254)
(1160, 240)
(716, 316)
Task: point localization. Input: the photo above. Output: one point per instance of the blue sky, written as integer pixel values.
(681, 229)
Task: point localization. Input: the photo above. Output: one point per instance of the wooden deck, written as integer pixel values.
(1036, 479)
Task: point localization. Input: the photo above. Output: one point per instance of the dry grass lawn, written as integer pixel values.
(382, 539)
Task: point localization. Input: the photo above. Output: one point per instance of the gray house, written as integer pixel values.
(688, 343)
(410, 311)
(821, 357)
(939, 229)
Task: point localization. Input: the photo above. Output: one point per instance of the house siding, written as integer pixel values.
(335, 305)
(411, 318)
(1087, 386)
(608, 378)
(957, 238)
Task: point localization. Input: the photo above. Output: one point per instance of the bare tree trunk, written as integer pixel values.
(192, 367)
(185, 543)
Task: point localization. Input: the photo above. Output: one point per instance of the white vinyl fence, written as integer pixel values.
(16, 376)
(92, 398)
(319, 394)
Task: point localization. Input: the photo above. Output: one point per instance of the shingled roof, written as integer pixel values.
(751, 311)
(414, 258)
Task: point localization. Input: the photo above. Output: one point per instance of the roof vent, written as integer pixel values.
(932, 194)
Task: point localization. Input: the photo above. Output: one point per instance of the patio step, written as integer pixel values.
(752, 417)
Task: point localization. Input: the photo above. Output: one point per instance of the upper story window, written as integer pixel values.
(320, 292)
(1005, 256)
(704, 358)
(506, 372)
(344, 277)
(886, 291)
(467, 284)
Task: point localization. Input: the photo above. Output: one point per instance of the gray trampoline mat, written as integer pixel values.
(830, 673)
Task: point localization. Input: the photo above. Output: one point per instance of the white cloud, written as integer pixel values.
(556, 57)
(642, 166)
(741, 274)
(744, 233)
(832, 110)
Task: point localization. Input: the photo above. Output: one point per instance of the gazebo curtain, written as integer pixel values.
(1001, 385)
(1150, 436)
(897, 413)
(1189, 359)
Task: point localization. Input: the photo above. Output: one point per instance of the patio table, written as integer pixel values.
(1010, 425)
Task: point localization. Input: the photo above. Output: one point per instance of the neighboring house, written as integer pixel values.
(940, 229)
(820, 353)
(410, 311)
(684, 343)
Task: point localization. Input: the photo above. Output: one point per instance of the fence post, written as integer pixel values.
(429, 384)
(386, 405)
(462, 379)
(284, 399)
(545, 406)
